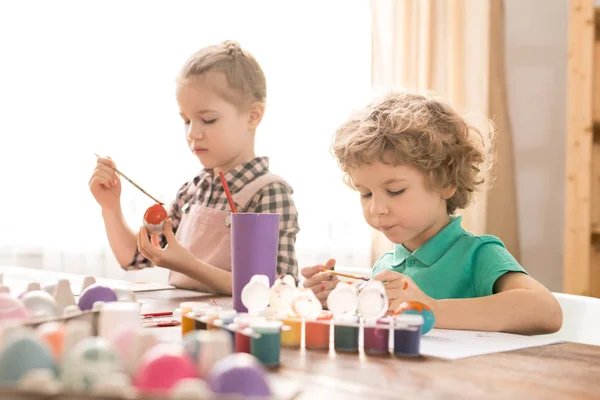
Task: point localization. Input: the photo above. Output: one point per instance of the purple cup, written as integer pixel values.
(94, 293)
(254, 248)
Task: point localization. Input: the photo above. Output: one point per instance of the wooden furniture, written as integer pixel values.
(566, 370)
(582, 198)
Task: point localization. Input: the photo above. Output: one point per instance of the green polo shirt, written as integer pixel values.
(453, 264)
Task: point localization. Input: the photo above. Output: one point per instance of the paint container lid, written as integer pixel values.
(281, 294)
(195, 306)
(342, 300)
(381, 322)
(261, 327)
(325, 316)
(255, 295)
(349, 319)
(408, 320)
(306, 304)
(227, 316)
(243, 320)
(372, 300)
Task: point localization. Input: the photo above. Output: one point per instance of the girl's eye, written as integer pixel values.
(186, 123)
(365, 195)
(209, 121)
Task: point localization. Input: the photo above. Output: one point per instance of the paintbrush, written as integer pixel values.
(134, 184)
(351, 276)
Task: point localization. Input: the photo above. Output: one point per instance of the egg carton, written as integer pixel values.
(90, 316)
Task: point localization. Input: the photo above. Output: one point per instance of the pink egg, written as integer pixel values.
(161, 367)
(11, 309)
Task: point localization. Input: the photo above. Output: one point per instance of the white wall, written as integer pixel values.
(536, 41)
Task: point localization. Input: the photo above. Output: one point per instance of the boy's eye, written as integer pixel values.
(365, 195)
(186, 123)
(209, 121)
(392, 193)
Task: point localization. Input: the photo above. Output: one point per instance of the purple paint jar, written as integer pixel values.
(376, 337)
(407, 335)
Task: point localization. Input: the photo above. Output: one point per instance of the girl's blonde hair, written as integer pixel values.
(410, 129)
(245, 78)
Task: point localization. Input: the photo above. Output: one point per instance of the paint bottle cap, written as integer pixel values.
(342, 300)
(306, 304)
(347, 319)
(255, 295)
(193, 306)
(372, 300)
(281, 295)
(261, 327)
(243, 320)
(408, 320)
(324, 316)
(227, 316)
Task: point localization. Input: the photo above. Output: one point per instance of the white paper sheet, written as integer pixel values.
(455, 344)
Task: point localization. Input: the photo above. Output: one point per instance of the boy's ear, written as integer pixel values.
(255, 115)
(448, 192)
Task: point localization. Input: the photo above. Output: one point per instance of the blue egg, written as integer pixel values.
(22, 354)
(415, 307)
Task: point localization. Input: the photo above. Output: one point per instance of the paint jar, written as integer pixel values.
(225, 319)
(241, 340)
(376, 337)
(345, 334)
(189, 311)
(266, 346)
(317, 332)
(407, 335)
(292, 337)
(211, 314)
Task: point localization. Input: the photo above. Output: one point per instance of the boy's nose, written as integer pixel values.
(378, 208)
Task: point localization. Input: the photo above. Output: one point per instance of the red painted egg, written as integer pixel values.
(154, 218)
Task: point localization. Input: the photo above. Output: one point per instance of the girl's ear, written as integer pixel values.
(448, 192)
(255, 115)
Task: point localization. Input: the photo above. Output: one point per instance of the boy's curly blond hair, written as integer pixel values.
(409, 129)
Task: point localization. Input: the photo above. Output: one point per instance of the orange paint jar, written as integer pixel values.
(317, 332)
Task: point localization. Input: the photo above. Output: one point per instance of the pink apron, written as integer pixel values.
(205, 232)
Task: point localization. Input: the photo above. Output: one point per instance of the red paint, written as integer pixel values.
(155, 214)
(242, 343)
(405, 285)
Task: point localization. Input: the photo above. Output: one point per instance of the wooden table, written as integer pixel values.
(560, 371)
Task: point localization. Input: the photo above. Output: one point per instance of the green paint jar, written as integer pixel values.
(345, 334)
(266, 346)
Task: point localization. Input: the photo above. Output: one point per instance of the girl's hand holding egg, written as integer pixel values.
(173, 256)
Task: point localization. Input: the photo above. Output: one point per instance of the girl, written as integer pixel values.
(221, 93)
(415, 161)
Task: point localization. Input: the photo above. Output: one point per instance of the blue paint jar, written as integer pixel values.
(407, 335)
(265, 344)
(345, 334)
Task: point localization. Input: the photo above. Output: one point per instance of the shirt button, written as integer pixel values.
(410, 262)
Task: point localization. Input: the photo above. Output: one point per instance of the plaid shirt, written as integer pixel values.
(273, 198)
